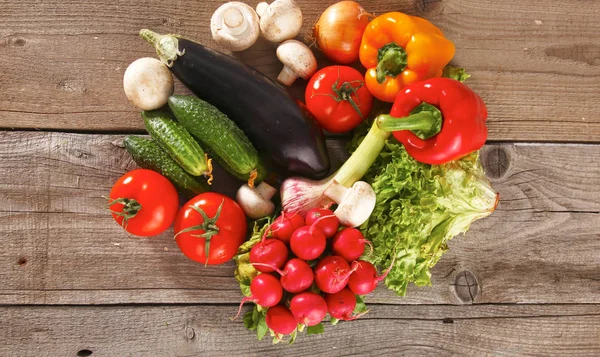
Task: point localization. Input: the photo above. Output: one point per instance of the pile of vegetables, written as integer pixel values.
(413, 181)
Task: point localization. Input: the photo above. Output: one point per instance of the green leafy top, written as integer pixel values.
(244, 271)
(460, 74)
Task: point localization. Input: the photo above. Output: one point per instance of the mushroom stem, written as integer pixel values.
(336, 192)
(298, 61)
(256, 202)
(355, 204)
(287, 76)
(265, 190)
(233, 19)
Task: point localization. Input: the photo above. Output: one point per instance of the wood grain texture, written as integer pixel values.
(536, 63)
(59, 246)
(207, 331)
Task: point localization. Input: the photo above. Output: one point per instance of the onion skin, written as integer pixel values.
(338, 32)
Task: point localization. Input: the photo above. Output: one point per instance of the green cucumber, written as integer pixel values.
(147, 154)
(220, 136)
(177, 142)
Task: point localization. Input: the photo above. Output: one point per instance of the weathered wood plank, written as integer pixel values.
(59, 246)
(536, 63)
(207, 331)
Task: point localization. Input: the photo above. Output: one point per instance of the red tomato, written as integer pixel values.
(223, 228)
(338, 98)
(144, 202)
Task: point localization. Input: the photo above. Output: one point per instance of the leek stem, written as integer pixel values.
(365, 155)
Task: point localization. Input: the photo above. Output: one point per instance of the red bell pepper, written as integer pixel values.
(437, 120)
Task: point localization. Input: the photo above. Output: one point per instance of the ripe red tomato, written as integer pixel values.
(144, 202)
(210, 222)
(338, 98)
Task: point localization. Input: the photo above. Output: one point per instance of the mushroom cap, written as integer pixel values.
(253, 203)
(235, 26)
(357, 205)
(148, 83)
(298, 57)
(281, 20)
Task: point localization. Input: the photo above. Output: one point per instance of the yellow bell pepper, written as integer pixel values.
(398, 49)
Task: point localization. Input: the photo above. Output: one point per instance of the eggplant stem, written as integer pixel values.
(167, 46)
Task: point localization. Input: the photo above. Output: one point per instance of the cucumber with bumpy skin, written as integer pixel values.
(148, 155)
(220, 136)
(175, 140)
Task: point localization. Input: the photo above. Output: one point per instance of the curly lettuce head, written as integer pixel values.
(419, 208)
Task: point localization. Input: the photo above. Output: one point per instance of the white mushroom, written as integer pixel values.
(279, 21)
(298, 61)
(148, 83)
(355, 204)
(256, 202)
(235, 26)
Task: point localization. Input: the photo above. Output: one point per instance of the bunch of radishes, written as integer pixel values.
(309, 267)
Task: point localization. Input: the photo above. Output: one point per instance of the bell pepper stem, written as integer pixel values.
(425, 121)
(419, 121)
(391, 61)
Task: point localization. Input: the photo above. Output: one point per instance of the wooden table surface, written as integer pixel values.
(524, 281)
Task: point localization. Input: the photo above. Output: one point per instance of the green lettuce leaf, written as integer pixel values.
(419, 209)
(244, 271)
(460, 74)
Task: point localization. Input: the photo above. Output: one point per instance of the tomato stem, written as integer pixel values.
(131, 208)
(208, 225)
(344, 93)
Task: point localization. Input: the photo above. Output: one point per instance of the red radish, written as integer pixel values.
(341, 304)
(364, 280)
(349, 243)
(296, 275)
(266, 292)
(308, 242)
(281, 320)
(332, 274)
(284, 226)
(324, 219)
(308, 308)
(269, 252)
